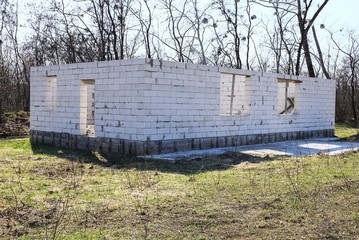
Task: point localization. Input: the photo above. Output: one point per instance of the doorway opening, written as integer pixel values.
(51, 93)
(87, 105)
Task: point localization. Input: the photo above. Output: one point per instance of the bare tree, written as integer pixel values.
(200, 25)
(249, 25)
(145, 24)
(320, 54)
(14, 77)
(177, 36)
(306, 14)
(232, 18)
(118, 14)
(349, 73)
(286, 40)
(305, 22)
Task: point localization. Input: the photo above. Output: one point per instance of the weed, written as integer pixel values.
(55, 217)
(293, 180)
(251, 177)
(74, 175)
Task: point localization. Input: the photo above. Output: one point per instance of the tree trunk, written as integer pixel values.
(352, 88)
(320, 54)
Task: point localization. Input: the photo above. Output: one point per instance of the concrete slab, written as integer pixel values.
(330, 146)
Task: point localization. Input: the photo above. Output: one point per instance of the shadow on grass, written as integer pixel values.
(185, 166)
(347, 131)
(352, 138)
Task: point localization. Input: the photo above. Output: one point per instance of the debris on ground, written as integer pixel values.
(14, 124)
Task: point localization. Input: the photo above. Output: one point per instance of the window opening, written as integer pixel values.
(287, 91)
(233, 99)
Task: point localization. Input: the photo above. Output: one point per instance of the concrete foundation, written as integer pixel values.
(124, 146)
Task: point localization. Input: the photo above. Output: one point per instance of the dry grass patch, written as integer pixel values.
(49, 193)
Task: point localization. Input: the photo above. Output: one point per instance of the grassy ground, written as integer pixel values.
(347, 131)
(49, 193)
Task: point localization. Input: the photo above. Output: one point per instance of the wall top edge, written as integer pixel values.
(157, 64)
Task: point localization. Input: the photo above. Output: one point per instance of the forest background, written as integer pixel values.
(314, 38)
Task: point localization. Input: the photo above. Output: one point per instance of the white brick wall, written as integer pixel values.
(140, 98)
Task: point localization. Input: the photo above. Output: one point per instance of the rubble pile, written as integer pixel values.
(14, 124)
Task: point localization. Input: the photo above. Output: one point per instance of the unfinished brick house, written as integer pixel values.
(145, 106)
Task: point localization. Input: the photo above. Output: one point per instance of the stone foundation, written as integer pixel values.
(127, 147)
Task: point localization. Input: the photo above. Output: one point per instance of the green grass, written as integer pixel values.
(49, 193)
(347, 131)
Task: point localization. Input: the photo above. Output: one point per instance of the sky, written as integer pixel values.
(337, 14)
(341, 13)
